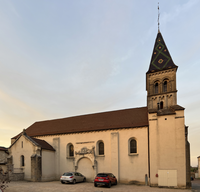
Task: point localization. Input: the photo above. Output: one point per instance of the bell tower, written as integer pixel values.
(161, 78)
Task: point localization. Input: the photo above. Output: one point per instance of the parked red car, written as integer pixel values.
(106, 179)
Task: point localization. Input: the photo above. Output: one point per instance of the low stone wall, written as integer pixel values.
(4, 177)
(16, 176)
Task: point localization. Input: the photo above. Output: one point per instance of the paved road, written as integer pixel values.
(196, 185)
(56, 186)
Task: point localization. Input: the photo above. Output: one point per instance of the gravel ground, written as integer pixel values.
(56, 186)
(196, 185)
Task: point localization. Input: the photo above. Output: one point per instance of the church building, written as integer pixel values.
(137, 144)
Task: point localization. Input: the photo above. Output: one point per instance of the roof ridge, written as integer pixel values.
(89, 114)
(132, 117)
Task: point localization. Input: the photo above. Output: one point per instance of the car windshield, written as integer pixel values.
(67, 174)
(102, 175)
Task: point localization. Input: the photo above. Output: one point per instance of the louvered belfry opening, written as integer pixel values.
(165, 86)
(156, 88)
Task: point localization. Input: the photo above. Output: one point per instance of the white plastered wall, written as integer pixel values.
(127, 169)
(27, 151)
(167, 146)
(48, 165)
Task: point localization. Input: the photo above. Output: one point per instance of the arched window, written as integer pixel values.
(161, 105)
(71, 150)
(165, 86)
(22, 160)
(156, 88)
(101, 148)
(133, 146)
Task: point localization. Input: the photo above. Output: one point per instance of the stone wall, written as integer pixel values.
(188, 175)
(16, 176)
(3, 157)
(198, 166)
(4, 177)
(36, 168)
(13, 176)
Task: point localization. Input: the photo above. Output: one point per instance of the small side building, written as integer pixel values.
(33, 157)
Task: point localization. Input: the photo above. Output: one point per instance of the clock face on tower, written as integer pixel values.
(160, 56)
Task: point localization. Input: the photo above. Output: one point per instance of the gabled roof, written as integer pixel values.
(43, 144)
(38, 142)
(3, 148)
(161, 59)
(127, 118)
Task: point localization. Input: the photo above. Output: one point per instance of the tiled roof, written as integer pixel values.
(43, 144)
(177, 107)
(170, 111)
(38, 142)
(127, 118)
(3, 149)
(161, 58)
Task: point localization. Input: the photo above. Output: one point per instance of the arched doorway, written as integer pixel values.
(85, 167)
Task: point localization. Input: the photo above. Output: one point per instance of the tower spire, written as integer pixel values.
(158, 19)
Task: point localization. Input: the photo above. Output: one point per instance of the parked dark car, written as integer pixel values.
(72, 177)
(106, 179)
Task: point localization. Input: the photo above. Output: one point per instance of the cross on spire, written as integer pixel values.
(158, 19)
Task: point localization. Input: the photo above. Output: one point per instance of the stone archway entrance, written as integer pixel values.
(85, 167)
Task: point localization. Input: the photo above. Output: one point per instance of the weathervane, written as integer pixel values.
(158, 19)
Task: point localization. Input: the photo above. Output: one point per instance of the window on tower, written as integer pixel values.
(165, 86)
(156, 88)
(161, 105)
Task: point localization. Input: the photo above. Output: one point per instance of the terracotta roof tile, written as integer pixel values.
(134, 117)
(43, 144)
(177, 107)
(170, 111)
(38, 142)
(3, 149)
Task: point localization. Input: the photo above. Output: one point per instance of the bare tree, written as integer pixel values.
(4, 179)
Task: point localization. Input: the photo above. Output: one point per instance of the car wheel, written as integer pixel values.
(95, 184)
(109, 185)
(84, 180)
(62, 182)
(74, 181)
(116, 182)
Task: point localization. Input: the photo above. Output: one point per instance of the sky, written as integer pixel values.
(66, 58)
